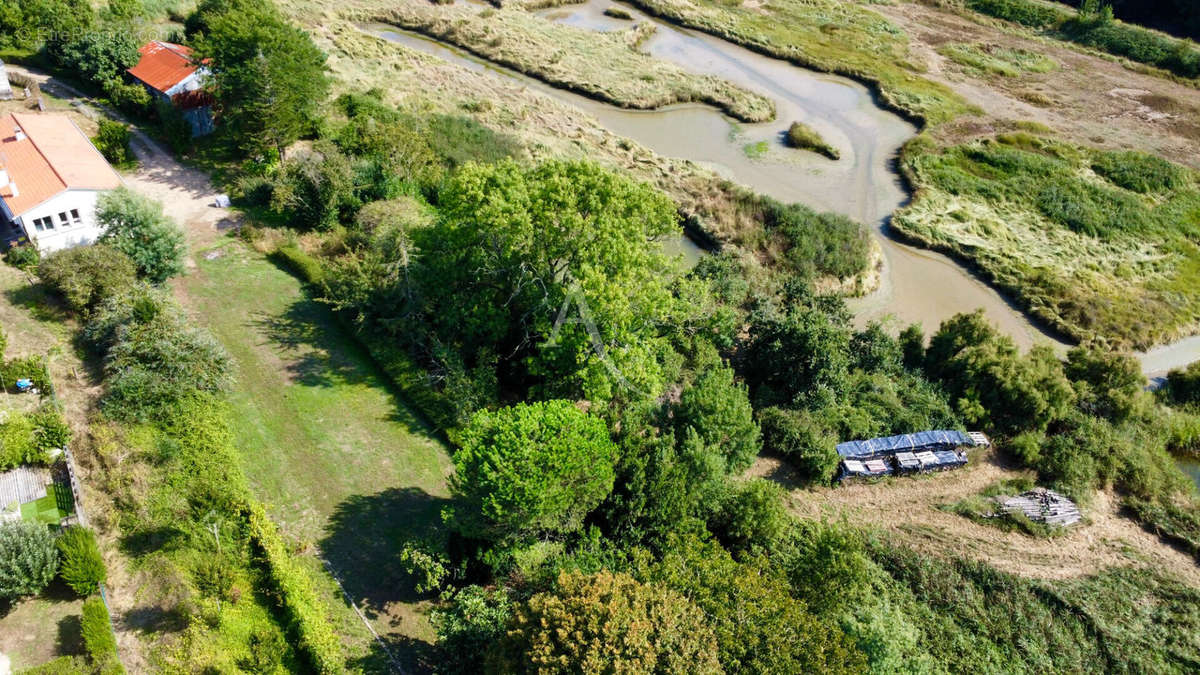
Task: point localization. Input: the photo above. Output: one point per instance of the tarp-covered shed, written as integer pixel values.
(918, 442)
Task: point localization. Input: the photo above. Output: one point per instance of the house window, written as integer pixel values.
(62, 219)
(75, 216)
(43, 224)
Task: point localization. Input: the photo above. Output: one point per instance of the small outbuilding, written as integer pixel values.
(171, 74)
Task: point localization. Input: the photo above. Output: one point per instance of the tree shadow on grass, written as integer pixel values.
(323, 353)
(364, 538)
(410, 655)
(70, 636)
(39, 301)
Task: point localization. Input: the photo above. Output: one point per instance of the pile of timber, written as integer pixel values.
(1043, 506)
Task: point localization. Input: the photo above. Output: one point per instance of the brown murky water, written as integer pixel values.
(918, 286)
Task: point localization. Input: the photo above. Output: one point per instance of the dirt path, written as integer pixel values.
(906, 508)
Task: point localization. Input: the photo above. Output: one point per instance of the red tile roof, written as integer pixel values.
(163, 64)
(53, 156)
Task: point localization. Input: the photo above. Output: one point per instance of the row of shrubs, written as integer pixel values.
(1094, 26)
(305, 618)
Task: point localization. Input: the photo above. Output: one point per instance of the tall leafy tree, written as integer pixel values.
(719, 411)
(268, 76)
(518, 249)
(530, 469)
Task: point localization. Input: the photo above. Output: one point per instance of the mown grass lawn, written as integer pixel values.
(341, 462)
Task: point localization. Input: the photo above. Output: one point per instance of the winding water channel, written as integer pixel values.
(918, 286)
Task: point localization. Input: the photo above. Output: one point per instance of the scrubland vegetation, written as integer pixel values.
(606, 66)
(1097, 244)
(659, 389)
(1094, 26)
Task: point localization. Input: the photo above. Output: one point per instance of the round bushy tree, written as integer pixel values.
(607, 623)
(82, 566)
(28, 559)
(137, 227)
(529, 469)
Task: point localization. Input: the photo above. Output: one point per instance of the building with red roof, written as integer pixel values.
(50, 178)
(171, 73)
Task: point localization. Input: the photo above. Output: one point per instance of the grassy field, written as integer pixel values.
(826, 35)
(606, 66)
(1098, 244)
(345, 468)
(42, 628)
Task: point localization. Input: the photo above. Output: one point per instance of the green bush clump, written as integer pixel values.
(24, 257)
(136, 226)
(1183, 385)
(1024, 12)
(98, 638)
(17, 443)
(307, 621)
(1133, 42)
(804, 137)
(300, 263)
(1138, 171)
(153, 358)
(88, 275)
(29, 367)
(1094, 26)
(82, 567)
(28, 559)
(112, 140)
(804, 439)
(806, 243)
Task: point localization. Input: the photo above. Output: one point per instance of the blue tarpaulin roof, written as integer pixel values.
(922, 440)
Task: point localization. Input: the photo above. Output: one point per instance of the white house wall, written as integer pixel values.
(64, 236)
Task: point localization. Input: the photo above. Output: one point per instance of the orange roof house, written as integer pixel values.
(171, 73)
(50, 177)
(165, 66)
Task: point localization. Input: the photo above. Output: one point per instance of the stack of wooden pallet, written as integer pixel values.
(1043, 506)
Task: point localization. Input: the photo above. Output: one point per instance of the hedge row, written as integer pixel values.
(303, 265)
(306, 620)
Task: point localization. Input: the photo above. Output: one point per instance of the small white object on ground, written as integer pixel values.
(222, 201)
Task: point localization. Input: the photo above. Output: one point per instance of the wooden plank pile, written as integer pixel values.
(1043, 506)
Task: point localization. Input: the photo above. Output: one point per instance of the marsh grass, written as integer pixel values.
(997, 60)
(756, 150)
(801, 136)
(826, 35)
(605, 66)
(1098, 244)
